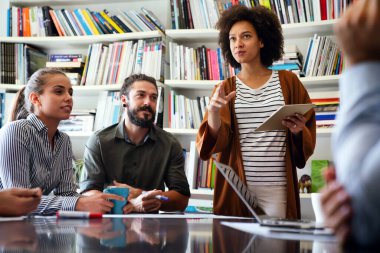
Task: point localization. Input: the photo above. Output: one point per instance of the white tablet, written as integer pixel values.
(274, 122)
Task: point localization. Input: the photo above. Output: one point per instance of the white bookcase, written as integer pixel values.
(318, 86)
(86, 97)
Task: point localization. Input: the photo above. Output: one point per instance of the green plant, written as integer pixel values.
(78, 167)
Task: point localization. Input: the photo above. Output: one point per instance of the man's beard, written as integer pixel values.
(145, 122)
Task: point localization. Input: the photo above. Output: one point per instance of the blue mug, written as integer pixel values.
(118, 204)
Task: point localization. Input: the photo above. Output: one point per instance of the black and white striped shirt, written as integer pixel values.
(263, 152)
(27, 160)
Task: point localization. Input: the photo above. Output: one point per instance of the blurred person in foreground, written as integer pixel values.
(350, 200)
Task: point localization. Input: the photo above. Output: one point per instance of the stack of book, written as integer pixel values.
(45, 21)
(325, 111)
(71, 64)
(323, 57)
(291, 60)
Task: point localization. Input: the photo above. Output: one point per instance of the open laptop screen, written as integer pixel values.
(250, 201)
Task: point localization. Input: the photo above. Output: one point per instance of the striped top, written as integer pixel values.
(263, 152)
(27, 160)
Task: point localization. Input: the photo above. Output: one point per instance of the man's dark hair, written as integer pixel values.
(129, 81)
(267, 26)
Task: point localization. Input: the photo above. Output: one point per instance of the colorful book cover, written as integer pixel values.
(110, 21)
(317, 167)
(79, 15)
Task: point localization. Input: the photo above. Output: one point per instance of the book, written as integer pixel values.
(34, 60)
(65, 57)
(79, 15)
(274, 122)
(150, 15)
(74, 78)
(317, 167)
(50, 29)
(104, 14)
(159, 117)
(56, 23)
(64, 65)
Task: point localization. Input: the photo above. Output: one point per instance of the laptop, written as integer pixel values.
(250, 202)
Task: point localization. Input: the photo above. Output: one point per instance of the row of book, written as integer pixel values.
(200, 63)
(325, 111)
(104, 64)
(199, 173)
(113, 63)
(323, 57)
(185, 112)
(45, 21)
(198, 14)
(19, 61)
(109, 110)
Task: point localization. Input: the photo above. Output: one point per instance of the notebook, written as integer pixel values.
(250, 202)
(274, 122)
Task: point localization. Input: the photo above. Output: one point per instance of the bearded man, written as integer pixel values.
(135, 153)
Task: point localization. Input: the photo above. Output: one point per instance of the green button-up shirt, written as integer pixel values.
(158, 161)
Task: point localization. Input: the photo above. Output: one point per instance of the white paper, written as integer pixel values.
(163, 215)
(18, 218)
(283, 233)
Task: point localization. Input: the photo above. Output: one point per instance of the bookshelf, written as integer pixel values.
(85, 97)
(308, 82)
(298, 34)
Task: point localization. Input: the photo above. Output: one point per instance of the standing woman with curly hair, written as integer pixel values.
(251, 39)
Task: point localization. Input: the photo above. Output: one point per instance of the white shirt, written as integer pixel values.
(263, 152)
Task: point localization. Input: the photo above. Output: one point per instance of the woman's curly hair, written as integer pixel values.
(267, 26)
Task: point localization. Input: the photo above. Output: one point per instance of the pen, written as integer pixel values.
(78, 215)
(160, 197)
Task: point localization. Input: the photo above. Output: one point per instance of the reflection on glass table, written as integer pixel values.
(18, 235)
(143, 235)
(137, 234)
